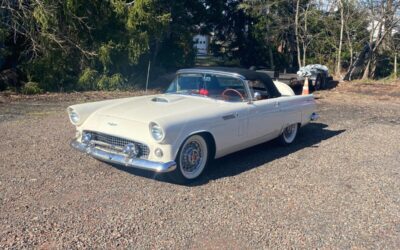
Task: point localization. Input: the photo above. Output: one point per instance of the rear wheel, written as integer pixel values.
(318, 82)
(191, 160)
(289, 134)
(323, 81)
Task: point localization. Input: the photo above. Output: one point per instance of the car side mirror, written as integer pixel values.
(257, 96)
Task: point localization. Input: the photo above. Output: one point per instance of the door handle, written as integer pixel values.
(277, 104)
(230, 116)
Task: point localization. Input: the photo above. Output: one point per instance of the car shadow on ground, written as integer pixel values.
(331, 84)
(257, 156)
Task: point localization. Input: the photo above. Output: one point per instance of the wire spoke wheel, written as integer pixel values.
(289, 133)
(193, 157)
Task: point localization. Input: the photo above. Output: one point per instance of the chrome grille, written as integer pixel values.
(116, 144)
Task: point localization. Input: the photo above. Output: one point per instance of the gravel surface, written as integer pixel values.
(338, 186)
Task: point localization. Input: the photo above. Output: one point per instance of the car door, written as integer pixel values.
(230, 128)
(264, 120)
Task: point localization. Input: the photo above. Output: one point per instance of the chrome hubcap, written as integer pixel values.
(191, 156)
(290, 132)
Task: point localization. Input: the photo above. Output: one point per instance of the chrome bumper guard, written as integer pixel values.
(314, 117)
(159, 167)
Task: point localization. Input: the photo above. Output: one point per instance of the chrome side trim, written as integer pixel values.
(314, 117)
(99, 154)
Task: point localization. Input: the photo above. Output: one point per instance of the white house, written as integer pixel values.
(201, 43)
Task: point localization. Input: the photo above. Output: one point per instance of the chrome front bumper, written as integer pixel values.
(102, 155)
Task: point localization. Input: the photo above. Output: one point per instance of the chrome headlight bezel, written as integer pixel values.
(156, 131)
(73, 116)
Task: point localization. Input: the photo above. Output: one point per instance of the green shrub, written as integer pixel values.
(88, 79)
(32, 88)
(114, 82)
(103, 82)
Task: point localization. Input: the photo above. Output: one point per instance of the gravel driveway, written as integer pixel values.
(338, 186)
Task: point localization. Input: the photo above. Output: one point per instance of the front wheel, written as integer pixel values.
(191, 160)
(289, 134)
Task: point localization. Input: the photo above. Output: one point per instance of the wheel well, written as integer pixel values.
(210, 142)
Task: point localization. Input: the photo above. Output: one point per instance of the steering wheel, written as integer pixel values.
(226, 97)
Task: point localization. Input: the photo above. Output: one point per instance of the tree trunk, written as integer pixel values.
(296, 23)
(271, 58)
(305, 40)
(395, 65)
(269, 41)
(366, 71)
(351, 55)
(350, 44)
(375, 49)
(372, 72)
(339, 56)
(370, 52)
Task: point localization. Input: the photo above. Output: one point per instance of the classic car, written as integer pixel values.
(318, 76)
(206, 113)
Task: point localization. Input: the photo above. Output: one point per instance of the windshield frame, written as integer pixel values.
(242, 79)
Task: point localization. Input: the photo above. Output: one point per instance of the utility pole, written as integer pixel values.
(148, 75)
(395, 65)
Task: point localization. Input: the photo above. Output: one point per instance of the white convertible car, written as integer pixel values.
(206, 113)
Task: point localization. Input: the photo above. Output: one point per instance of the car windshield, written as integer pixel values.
(210, 85)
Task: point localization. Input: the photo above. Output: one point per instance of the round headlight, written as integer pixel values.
(73, 115)
(156, 131)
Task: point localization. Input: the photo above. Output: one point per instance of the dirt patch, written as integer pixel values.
(370, 89)
(15, 106)
(361, 93)
(7, 97)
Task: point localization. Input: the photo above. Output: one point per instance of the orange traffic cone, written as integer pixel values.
(306, 90)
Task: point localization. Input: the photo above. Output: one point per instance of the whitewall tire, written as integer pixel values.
(289, 134)
(191, 160)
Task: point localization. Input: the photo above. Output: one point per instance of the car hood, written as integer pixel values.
(157, 107)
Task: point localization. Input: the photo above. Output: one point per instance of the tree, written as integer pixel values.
(57, 42)
(395, 47)
(69, 44)
(274, 29)
(297, 24)
(384, 17)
